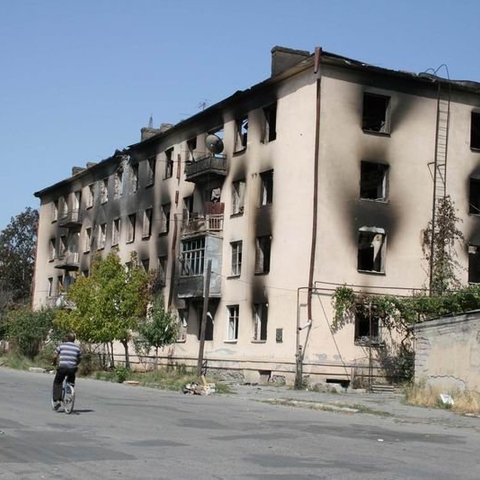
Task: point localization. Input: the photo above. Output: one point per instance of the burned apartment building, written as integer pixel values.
(319, 176)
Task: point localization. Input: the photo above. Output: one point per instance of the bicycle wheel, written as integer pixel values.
(69, 399)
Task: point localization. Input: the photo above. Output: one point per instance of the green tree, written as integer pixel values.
(17, 256)
(109, 303)
(158, 329)
(27, 330)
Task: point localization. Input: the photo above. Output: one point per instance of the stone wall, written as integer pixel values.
(447, 352)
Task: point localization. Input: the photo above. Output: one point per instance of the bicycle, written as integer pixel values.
(68, 397)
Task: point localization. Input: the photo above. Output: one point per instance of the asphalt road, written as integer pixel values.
(126, 432)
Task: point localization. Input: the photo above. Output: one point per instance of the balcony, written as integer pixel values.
(202, 224)
(70, 219)
(204, 169)
(68, 261)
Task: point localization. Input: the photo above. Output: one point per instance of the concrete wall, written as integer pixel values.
(447, 352)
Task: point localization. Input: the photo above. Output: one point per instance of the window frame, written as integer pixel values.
(266, 188)
(369, 123)
(260, 322)
(233, 323)
(379, 257)
(192, 258)
(263, 253)
(382, 172)
(236, 258)
(241, 134)
(270, 123)
(238, 196)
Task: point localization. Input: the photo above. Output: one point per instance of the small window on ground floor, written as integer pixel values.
(367, 325)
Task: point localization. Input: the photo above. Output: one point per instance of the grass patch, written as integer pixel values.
(426, 396)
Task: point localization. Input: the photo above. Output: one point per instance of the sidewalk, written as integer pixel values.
(390, 405)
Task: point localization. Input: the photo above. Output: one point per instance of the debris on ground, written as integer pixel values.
(194, 388)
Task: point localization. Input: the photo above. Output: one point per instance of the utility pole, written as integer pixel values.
(204, 318)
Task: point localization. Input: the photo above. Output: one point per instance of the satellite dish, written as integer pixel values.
(214, 143)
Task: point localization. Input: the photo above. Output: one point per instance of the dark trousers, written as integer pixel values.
(62, 372)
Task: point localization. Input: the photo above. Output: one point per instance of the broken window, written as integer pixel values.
(168, 163)
(102, 236)
(88, 239)
(208, 324)
(151, 163)
(270, 128)
(187, 207)
(50, 286)
(373, 181)
(193, 256)
(238, 197)
(367, 325)
(475, 130)
(260, 320)
(165, 218)
(191, 147)
(104, 190)
(262, 254)
(182, 325)
(146, 264)
(162, 271)
(55, 211)
(116, 232)
(474, 197)
(473, 264)
(91, 196)
(236, 258)
(131, 228)
(375, 113)
(118, 184)
(147, 223)
(51, 249)
(60, 287)
(62, 246)
(134, 178)
(266, 188)
(241, 127)
(233, 316)
(371, 250)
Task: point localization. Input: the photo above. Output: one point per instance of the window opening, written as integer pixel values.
(233, 316)
(375, 113)
(241, 133)
(191, 147)
(262, 254)
(475, 130)
(62, 246)
(165, 218)
(151, 163)
(169, 162)
(91, 196)
(131, 228)
(270, 113)
(473, 264)
(373, 181)
(146, 264)
(266, 191)
(260, 322)
(102, 235)
(162, 270)
(88, 239)
(104, 191)
(116, 231)
(51, 249)
(55, 211)
(147, 223)
(50, 286)
(371, 250)
(236, 258)
(367, 325)
(474, 197)
(238, 197)
(118, 184)
(134, 178)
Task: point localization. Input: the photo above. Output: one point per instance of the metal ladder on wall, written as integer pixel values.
(438, 168)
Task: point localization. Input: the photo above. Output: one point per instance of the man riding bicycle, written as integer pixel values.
(67, 356)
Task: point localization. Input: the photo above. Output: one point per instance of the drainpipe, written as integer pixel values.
(299, 350)
(318, 53)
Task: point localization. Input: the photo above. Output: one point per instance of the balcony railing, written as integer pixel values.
(69, 219)
(210, 223)
(206, 167)
(68, 261)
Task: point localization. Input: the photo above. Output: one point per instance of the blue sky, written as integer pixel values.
(79, 79)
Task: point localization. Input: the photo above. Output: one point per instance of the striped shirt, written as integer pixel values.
(69, 355)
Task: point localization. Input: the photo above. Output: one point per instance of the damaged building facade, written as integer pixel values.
(317, 177)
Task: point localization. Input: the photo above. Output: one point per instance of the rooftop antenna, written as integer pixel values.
(150, 122)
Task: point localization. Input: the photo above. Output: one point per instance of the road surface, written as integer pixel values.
(125, 432)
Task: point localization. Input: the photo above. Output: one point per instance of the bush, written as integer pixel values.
(122, 373)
